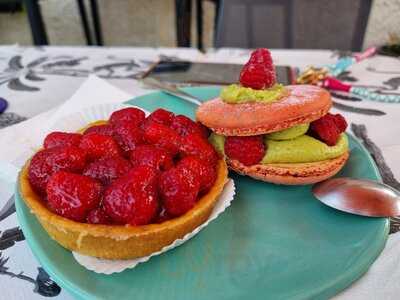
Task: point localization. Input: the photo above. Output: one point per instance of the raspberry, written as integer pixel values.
(257, 76)
(249, 150)
(98, 145)
(178, 190)
(131, 114)
(184, 126)
(195, 145)
(152, 156)
(98, 216)
(132, 199)
(161, 116)
(107, 169)
(340, 122)
(128, 136)
(261, 56)
(72, 196)
(61, 139)
(205, 173)
(48, 161)
(163, 136)
(104, 129)
(326, 129)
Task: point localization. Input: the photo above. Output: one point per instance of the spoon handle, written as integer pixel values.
(172, 90)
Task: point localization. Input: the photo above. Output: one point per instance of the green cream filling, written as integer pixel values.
(288, 134)
(218, 141)
(235, 93)
(301, 149)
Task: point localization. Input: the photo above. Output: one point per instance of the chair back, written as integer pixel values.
(303, 24)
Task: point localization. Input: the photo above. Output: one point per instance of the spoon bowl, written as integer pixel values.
(359, 196)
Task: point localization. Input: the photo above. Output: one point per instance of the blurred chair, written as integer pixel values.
(303, 24)
(183, 11)
(38, 28)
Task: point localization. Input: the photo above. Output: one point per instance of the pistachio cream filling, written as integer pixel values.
(292, 146)
(235, 93)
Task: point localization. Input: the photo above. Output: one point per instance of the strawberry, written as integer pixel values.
(48, 161)
(152, 156)
(195, 145)
(104, 129)
(72, 196)
(205, 173)
(133, 199)
(161, 116)
(107, 169)
(98, 216)
(131, 114)
(127, 135)
(98, 145)
(178, 190)
(61, 139)
(184, 126)
(162, 136)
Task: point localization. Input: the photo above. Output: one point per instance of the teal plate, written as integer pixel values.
(274, 242)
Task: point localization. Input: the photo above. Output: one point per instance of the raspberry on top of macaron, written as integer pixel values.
(276, 133)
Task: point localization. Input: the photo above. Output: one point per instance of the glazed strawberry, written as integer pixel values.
(261, 56)
(104, 129)
(128, 136)
(184, 126)
(195, 145)
(98, 216)
(48, 161)
(61, 139)
(257, 76)
(178, 190)
(163, 136)
(205, 173)
(107, 169)
(131, 114)
(161, 116)
(132, 199)
(152, 156)
(72, 196)
(326, 130)
(162, 216)
(249, 150)
(98, 145)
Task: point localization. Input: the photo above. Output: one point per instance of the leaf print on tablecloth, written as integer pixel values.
(9, 237)
(33, 77)
(16, 75)
(17, 85)
(43, 284)
(15, 63)
(345, 76)
(37, 61)
(394, 83)
(65, 62)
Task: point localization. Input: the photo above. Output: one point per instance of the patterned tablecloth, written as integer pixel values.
(36, 80)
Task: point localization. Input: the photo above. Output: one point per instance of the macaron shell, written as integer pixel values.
(302, 104)
(292, 174)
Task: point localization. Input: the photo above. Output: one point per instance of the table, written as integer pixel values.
(37, 79)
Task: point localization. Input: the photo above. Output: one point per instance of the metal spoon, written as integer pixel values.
(359, 196)
(171, 89)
